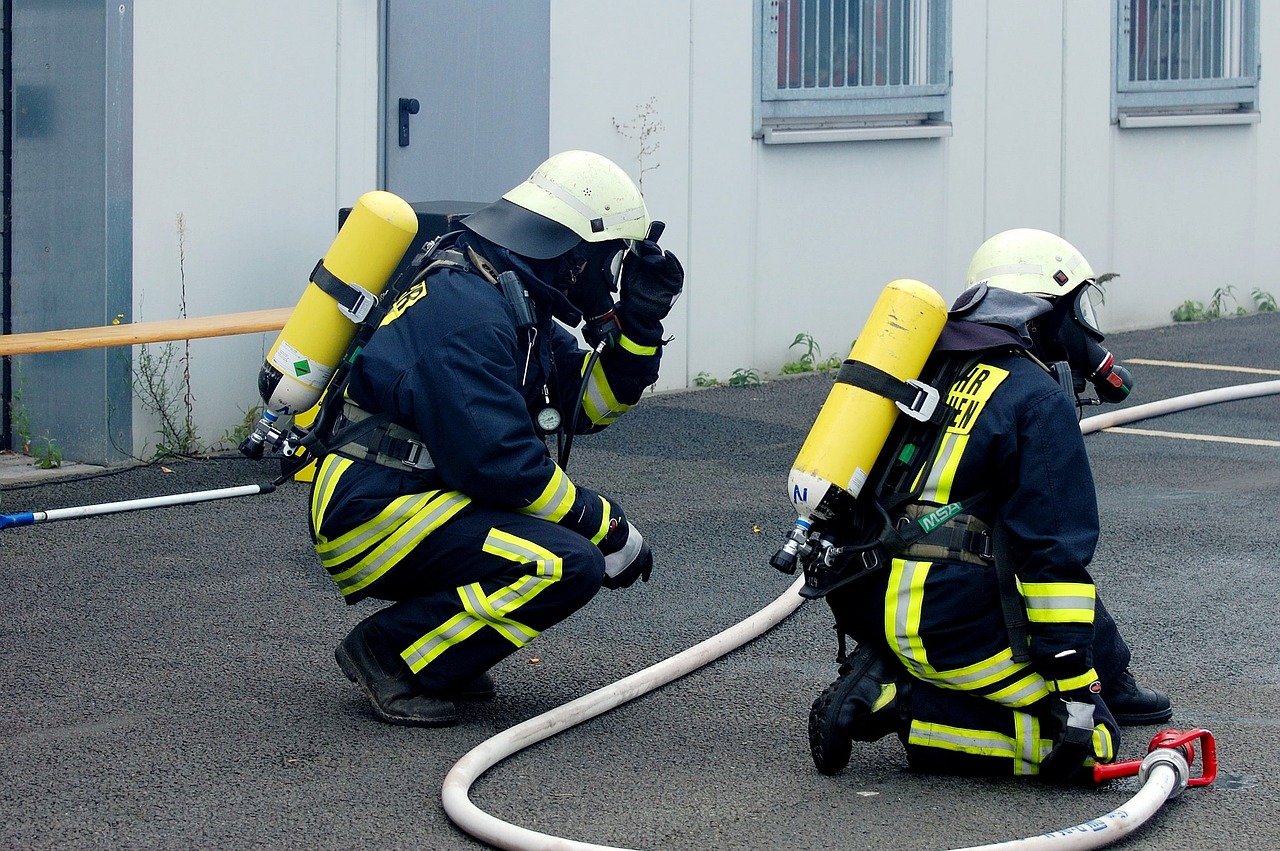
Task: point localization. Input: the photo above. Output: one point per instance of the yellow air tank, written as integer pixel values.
(854, 423)
(366, 251)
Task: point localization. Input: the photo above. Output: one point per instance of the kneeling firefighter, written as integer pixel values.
(980, 638)
(439, 492)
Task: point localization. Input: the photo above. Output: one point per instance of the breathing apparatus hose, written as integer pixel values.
(1164, 780)
(571, 423)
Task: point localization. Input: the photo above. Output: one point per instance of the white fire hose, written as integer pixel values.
(1164, 778)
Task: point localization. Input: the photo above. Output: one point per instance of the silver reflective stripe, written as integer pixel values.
(487, 609)
(603, 222)
(1010, 269)
(600, 410)
(344, 548)
(552, 507)
(941, 467)
(980, 742)
(457, 629)
(403, 540)
(1027, 740)
(1052, 602)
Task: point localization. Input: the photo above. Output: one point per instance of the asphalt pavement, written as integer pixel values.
(167, 677)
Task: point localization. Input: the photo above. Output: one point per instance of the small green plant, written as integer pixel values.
(19, 418)
(810, 352)
(742, 376)
(236, 435)
(1217, 306)
(1190, 311)
(47, 455)
(705, 379)
(1220, 304)
(810, 359)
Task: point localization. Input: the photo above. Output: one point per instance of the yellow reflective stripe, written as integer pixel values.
(1104, 747)
(942, 473)
(331, 468)
(903, 601)
(601, 406)
(1059, 602)
(556, 499)
(359, 539)
(1080, 681)
(888, 693)
(403, 540)
(1027, 741)
(962, 740)
(480, 610)
(1021, 692)
(967, 396)
(630, 345)
(604, 522)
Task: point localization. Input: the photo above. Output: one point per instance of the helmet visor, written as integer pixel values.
(1084, 310)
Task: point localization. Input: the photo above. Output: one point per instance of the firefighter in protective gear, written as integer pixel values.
(454, 509)
(977, 672)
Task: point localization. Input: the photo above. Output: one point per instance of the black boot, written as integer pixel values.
(394, 692)
(1134, 705)
(863, 704)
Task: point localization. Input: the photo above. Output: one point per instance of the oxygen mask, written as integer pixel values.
(588, 277)
(1073, 335)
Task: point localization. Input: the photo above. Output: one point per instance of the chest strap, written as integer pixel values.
(386, 443)
(963, 537)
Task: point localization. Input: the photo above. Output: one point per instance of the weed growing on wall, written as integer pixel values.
(644, 129)
(162, 378)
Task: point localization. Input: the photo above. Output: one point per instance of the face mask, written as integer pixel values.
(588, 276)
(1070, 332)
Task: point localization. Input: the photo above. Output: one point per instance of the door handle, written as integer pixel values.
(408, 106)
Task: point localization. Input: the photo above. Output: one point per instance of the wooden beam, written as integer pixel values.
(135, 333)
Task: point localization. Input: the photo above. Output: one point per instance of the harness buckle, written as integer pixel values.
(923, 405)
(985, 546)
(417, 456)
(364, 303)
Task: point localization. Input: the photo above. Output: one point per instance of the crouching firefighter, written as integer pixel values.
(437, 489)
(961, 570)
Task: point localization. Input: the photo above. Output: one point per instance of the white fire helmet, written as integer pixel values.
(573, 196)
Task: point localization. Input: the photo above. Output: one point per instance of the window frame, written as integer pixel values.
(1186, 102)
(850, 113)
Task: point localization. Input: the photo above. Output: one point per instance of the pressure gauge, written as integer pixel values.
(549, 419)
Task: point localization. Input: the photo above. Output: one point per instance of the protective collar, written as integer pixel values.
(987, 317)
(536, 275)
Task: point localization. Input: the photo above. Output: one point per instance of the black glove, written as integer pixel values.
(626, 555)
(1074, 718)
(652, 280)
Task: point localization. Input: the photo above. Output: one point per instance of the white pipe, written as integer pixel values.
(1164, 774)
(501, 834)
(490, 752)
(1179, 403)
(26, 518)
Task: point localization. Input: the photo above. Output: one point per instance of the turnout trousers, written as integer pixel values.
(972, 708)
(477, 589)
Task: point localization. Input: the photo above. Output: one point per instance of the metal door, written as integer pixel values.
(467, 95)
